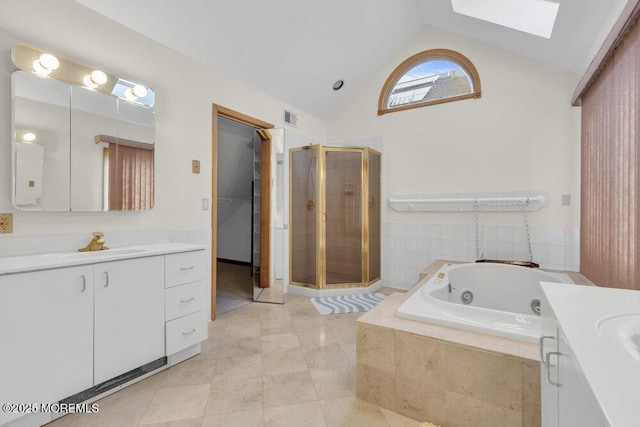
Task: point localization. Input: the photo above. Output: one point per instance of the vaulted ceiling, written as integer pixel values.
(296, 49)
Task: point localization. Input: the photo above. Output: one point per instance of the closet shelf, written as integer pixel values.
(516, 201)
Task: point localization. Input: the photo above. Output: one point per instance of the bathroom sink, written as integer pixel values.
(623, 331)
(102, 254)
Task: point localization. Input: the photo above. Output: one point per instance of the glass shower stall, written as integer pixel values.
(334, 216)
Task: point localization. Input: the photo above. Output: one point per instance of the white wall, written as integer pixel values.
(522, 134)
(185, 91)
(234, 231)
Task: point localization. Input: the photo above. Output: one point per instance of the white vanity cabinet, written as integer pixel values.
(71, 324)
(185, 300)
(129, 315)
(46, 335)
(567, 399)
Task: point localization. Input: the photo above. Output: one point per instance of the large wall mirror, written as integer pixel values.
(79, 144)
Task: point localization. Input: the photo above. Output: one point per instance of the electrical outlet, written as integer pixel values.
(195, 166)
(6, 223)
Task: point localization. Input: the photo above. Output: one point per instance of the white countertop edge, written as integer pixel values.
(612, 378)
(45, 261)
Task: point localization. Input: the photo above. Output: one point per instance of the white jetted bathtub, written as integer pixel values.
(496, 299)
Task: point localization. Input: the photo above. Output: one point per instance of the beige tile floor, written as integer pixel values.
(263, 365)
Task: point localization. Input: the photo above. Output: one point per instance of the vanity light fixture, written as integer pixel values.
(44, 65)
(95, 79)
(29, 137)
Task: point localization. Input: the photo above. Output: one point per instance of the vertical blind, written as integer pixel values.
(609, 233)
(131, 180)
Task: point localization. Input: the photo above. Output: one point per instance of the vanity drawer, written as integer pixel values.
(183, 268)
(186, 331)
(184, 299)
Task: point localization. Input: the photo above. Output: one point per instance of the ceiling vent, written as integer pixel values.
(290, 118)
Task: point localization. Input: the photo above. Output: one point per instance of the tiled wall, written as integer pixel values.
(409, 247)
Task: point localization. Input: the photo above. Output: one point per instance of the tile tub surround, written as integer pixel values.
(444, 375)
(409, 246)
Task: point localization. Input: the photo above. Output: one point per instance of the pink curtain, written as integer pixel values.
(609, 234)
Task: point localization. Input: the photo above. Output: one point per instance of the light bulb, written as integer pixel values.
(49, 61)
(44, 65)
(39, 69)
(89, 83)
(129, 95)
(99, 77)
(139, 91)
(29, 137)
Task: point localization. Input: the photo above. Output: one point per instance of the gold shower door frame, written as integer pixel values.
(321, 238)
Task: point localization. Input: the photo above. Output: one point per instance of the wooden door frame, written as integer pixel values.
(265, 214)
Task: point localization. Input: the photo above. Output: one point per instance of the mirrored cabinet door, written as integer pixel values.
(131, 179)
(79, 149)
(41, 143)
(92, 114)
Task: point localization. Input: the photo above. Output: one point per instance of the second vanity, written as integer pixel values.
(76, 325)
(590, 356)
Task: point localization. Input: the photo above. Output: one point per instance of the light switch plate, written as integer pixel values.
(6, 223)
(195, 166)
(566, 200)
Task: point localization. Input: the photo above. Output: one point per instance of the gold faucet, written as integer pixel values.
(96, 244)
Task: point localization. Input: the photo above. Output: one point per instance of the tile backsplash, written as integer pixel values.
(410, 247)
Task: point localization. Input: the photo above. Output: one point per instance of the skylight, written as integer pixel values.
(535, 17)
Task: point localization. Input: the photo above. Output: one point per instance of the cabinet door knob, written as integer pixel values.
(187, 300)
(190, 332)
(84, 283)
(106, 279)
(186, 268)
(548, 365)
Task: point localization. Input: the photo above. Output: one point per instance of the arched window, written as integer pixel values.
(430, 77)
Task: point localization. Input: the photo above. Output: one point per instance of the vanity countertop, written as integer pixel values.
(602, 326)
(20, 264)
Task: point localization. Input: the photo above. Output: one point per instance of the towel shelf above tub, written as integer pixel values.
(517, 201)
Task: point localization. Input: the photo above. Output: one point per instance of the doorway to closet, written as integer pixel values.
(240, 209)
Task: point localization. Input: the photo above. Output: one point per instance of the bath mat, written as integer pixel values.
(346, 303)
